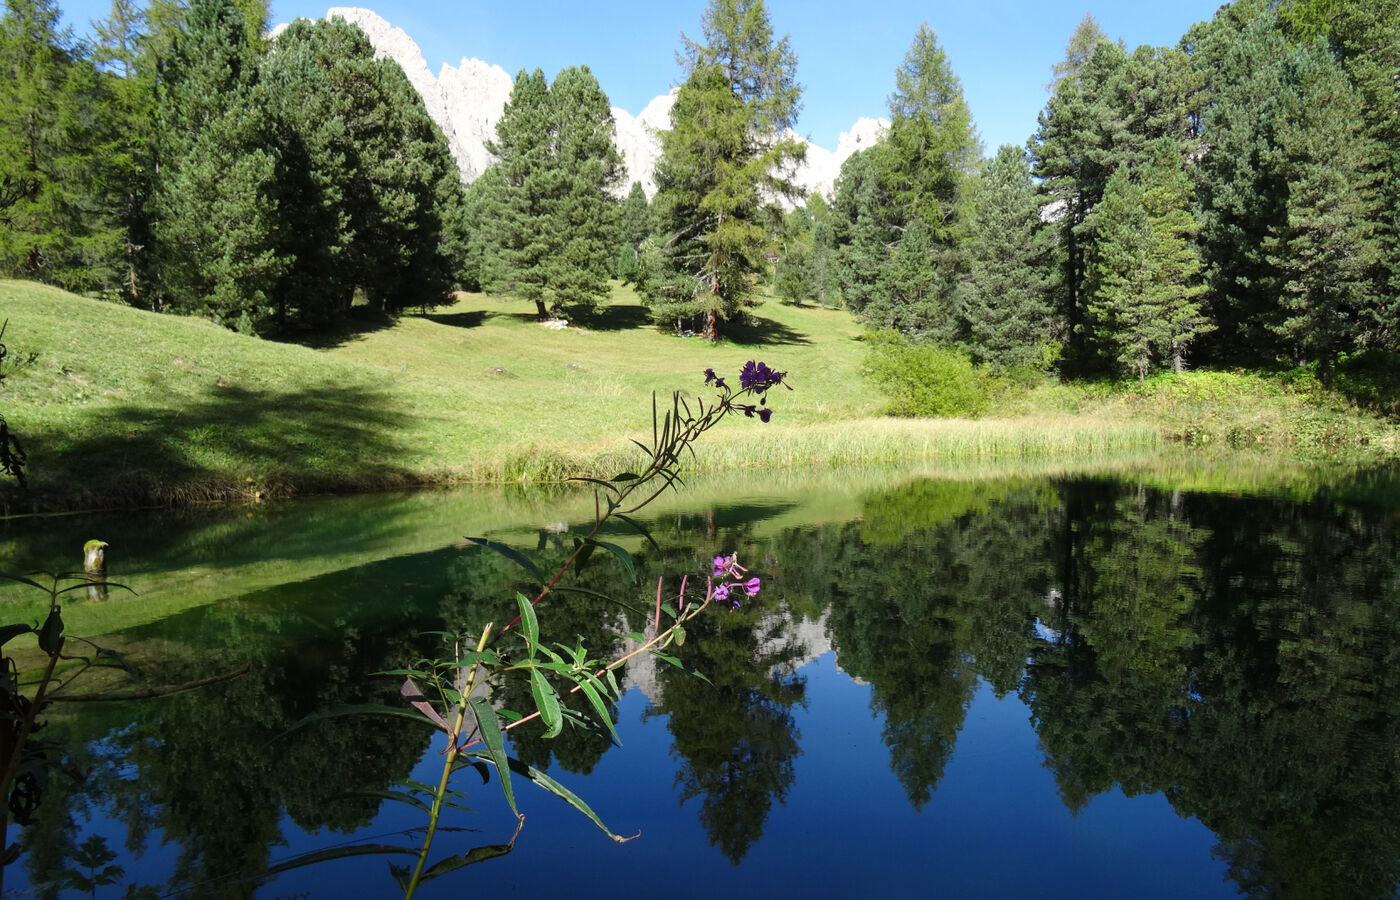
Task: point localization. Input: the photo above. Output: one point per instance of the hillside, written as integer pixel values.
(125, 407)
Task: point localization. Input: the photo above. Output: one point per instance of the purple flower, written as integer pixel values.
(724, 566)
(765, 414)
(757, 376)
(750, 586)
(709, 375)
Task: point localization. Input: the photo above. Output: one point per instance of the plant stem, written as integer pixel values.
(450, 759)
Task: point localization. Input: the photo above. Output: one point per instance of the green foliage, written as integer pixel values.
(1006, 299)
(552, 201)
(912, 187)
(56, 222)
(924, 379)
(722, 166)
(1145, 275)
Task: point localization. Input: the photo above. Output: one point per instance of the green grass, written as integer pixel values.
(123, 407)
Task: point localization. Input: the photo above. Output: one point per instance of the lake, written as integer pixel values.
(1047, 684)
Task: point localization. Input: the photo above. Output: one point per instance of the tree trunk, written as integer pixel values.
(711, 326)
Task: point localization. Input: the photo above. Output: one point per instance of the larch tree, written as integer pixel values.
(56, 221)
(726, 160)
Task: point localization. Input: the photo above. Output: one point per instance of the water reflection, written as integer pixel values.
(1236, 655)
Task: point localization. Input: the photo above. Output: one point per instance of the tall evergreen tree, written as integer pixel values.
(56, 223)
(724, 161)
(215, 208)
(1145, 276)
(921, 170)
(558, 168)
(1007, 307)
(1326, 246)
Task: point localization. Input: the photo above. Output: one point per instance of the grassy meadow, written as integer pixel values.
(119, 407)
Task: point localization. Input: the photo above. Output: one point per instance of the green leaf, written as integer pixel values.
(320, 856)
(548, 702)
(22, 580)
(529, 623)
(357, 709)
(396, 796)
(51, 635)
(689, 670)
(611, 487)
(600, 707)
(645, 448)
(627, 476)
(475, 855)
(640, 529)
(13, 631)
(622, 555)
(544, 782)
(513, 555)
(490, 730)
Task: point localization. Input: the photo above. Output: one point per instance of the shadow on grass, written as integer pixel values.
(472, 319)
(618, 317)
(232, 443)
(361, 321)
(759, 331)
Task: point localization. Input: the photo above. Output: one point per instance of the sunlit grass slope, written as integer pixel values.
(123, 407)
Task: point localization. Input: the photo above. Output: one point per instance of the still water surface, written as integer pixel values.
(1035, 686)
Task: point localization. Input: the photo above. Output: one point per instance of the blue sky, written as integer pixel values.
(847, 51)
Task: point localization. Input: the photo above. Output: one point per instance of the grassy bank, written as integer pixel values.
(122, 407)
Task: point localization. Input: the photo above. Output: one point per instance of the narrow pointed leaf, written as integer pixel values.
(320, 856)
(623, 557)
(529, 623)
(415, 697)
(490, 730)
(548, 702)
(544, 782)
(599, 707)
(640, 529)
(511, 554)
(453, 863)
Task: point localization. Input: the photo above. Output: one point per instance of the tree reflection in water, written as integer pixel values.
(1238, 655)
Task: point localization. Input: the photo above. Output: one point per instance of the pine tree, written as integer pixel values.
(558, 166)
(724, 161)
(634, 226)
(214, 208)
(1007, 305)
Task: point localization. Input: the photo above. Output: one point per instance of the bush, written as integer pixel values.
(926, 380)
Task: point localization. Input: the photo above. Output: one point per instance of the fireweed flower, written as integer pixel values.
(754, 378)
(730, 577)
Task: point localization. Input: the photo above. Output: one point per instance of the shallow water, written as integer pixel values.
(1060, 686)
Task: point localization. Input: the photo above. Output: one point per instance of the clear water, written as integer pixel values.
(1048, 687)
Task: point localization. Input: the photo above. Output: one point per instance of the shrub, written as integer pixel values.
(926, 380)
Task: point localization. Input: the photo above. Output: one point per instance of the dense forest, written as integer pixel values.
(1233, 200)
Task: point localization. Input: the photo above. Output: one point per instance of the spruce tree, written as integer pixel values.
(920, 171)
(1128, 331)
(724, 161)
(1326, 247)
(1007, 305)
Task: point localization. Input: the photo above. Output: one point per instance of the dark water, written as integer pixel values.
(1038, 687)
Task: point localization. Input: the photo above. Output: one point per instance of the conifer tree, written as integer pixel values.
(215, 209)
(558, 167)
(724, 161)
(1326, 246)
(1007, 294)
(56, 223)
